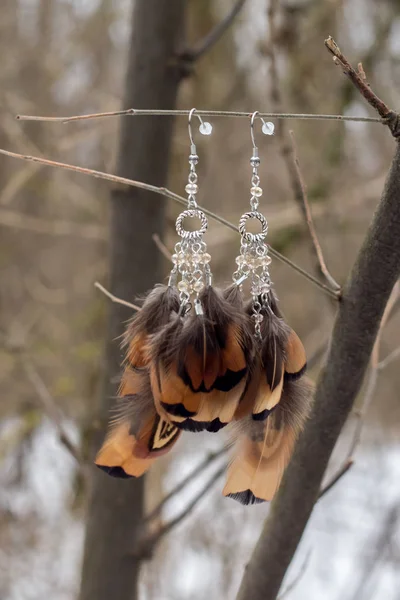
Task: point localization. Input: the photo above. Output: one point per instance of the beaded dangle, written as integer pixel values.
(191, 272)
(254, 260)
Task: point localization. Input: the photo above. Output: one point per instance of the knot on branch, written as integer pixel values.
(392, 120)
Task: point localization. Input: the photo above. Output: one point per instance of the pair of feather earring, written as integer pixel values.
(200, 359)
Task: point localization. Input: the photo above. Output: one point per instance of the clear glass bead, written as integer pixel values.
(183, 286)
(196, 258)
(206, 258)
(240, 260)
(198, 286)
(256, 191)
(181, 260)
(191, 188)
(265, 261)
(258, 318)
(174, 259)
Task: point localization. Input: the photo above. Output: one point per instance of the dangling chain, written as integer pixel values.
(253, 260)
(191, 272)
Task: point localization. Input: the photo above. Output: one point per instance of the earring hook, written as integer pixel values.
(205, 128)
(267, 127)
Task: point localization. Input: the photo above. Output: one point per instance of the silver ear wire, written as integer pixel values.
(205, 128)
(191, 272)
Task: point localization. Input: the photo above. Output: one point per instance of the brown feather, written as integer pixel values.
(137, 434)
(199, 363)
(296, 361)
(158, 306)
(263, 448)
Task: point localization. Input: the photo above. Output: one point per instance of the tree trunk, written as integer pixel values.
(364, 299)
(116, 506)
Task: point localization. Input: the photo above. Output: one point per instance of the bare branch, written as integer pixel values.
(389, 359)
(161, 246)
(358, 79)
(178, 488)
(146, 545)
(335, 478)
(136, 112)
(51, 409)
(317, 247)
(288, 151)
(163, 192)
(114, 298)
(297, 579)
(192, 55)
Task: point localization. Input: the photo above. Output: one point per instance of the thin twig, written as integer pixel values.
(389, 359)
(146, 546)
(161, 246)
(114, 298)
(357, 78)
(178, 488)
(167, 193)
(135, 112)
(51, 409)
(310, 223)
(288, 150)
(213, 36)
(335, 478)
(297, 579)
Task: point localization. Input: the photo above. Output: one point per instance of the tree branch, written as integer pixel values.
(309, 220)
(363, 303)
(163, 191)
(114, 298)
(192, 55)
(359, 80)
(51, 409)
(288, 151)
(178, 488)
(162, 247)
(146, 545)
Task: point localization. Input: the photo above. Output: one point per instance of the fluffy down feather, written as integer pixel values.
(262, 449)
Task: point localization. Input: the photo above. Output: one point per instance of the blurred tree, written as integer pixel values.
(115, 511)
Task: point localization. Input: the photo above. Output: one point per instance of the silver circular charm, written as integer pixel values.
(191, 214)
(253, 237)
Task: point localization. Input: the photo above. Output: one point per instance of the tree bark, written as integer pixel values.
(116, 506)
(366, 293)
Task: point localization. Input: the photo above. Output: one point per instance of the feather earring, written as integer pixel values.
(142, 429)
(199, 360)
(273, 407)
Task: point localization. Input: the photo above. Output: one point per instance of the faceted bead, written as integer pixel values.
(191, 188)
(206, 258)
(174, 258)
(256, 191)
(240, 260)
(183, 286)
(265, 261)
(265, 288)
(198, 286)
(196, 258)
(181, 258)
(258, 318)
